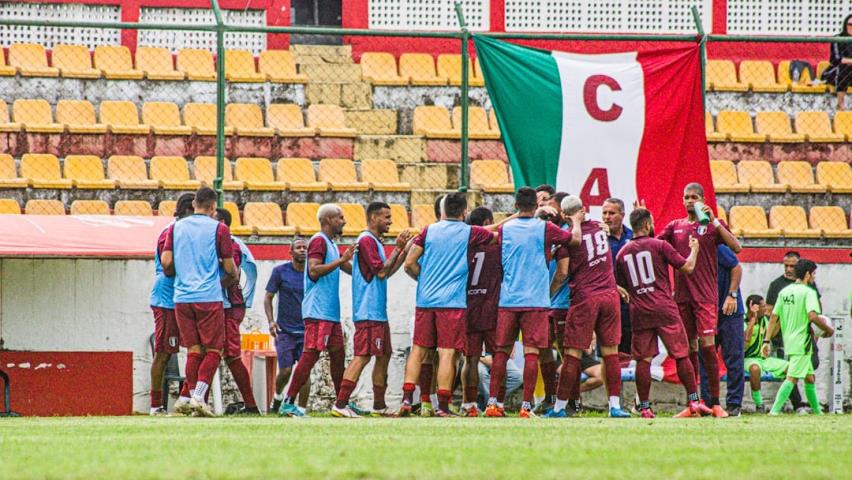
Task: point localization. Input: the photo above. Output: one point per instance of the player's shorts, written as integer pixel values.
(323, 334)
(776, 367)
(475, 340)
(372, 338)
(644, 342)
(799, 366)
(233, 318)
(599, 314)
(439, 327)
(699, 319)
(557, 325)
(166, 333)
(289, 347)
(533, 324)
(202, 324)
(587, 361)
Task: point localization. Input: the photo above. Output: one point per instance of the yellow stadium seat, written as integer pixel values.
(116, 63)
(240, 68)
(419, 69)
(299, 175)
(477, 73)
(750, 222)
(843, 124)
(166, 208)
(8, 173)
(35, 116)
(9, 206)
(493, 125)
(74, 61)
(257, 174)
(759, 75)
(87, 172)
(130, 172)
(356, 219)
(422, 215)
(831, 221)
(399, 217)
(776, 125)
(157, 64)
(340, 175)
(725, 177)
(758, 175)
(737, 126)
(490, 176)
(710, 130)
(383, 176)
(433, 122)
(800, 176)
(196, 64)
(450, 68)
(173, 173)
(816, 127)
(237, 227)
(792, 221)
(122, 117)
(265, 219)
(280, 67)
(6, 126)
(721, 76)
(78, 116)
(303, 216)
(164, 118)
(205, 170)
(201, 117)
(477, 123)
(287, 120)
(804, 83)
(329, 121)
(6, 70)
(379, 68)
(31, 60)
(133, 208)
(89, 207)
(247, 120)
(836, 176)
(42, 170)
(44, 207)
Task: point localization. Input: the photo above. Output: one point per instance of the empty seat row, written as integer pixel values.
(759, 76)
(122, 117)
(116, 63)
(435, 122)
(380, 68)
(750, 221)
(737, 126)
(756, 176)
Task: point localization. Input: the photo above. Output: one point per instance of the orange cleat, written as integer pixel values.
(404, 410)
(687, 413)
(700, 408)
(470, 412)
(526, 413)
(494, 411)
(719, 412)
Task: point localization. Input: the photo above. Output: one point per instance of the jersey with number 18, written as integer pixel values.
(590, 264)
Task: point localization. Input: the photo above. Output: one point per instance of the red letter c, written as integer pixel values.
(590, 98)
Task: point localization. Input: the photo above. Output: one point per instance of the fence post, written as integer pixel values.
(465, 101)
(702, 49)
(220, 104)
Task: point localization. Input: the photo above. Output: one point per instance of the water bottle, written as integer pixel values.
(703, 218)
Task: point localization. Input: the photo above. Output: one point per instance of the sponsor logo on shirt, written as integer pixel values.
(478, 291)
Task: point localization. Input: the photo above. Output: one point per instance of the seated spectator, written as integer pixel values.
(514, 379)
(756, 321)
(840, 72)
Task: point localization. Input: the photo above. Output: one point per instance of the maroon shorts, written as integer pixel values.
(475, 340)
(322, 334)
(201, 324)
(372, 338)
(557, 325)
(644, 342)
(599, 314)
(699, 319)
(533, 324)
(166, 334)
(233, 318)
(439, 327)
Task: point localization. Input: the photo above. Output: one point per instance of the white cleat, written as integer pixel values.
(158, 412)
(200, 408)
(344, 412)
(182, 407)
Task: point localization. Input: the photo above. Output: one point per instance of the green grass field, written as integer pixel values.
(752, 447)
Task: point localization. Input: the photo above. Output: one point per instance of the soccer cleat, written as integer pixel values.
(360, 411)
(719, 412)
(158, 412)
(276, 404)
(564, 413)
(472, 411)
(247, 411)
(345, 412)
(647, 413)
(803, 411)
(618, 413)
(734, 412)
(700, 409)
(200, 408)
(526, 413)
(404, 409)
(443, 413)
(182, 407)
(543, 407)
(687, 413)
(383, 413)
(494, 411)
(426, 409)
(290, 410)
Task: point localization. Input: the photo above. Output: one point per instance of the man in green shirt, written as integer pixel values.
(797, 307)
(756, 323)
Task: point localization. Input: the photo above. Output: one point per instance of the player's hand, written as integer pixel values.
(349, 253)
(546, 211)
(730, 305)
(710, 213)
(604, 227)
(764, 351)
(623, 294)
(755, 308)
(273, 329)
(579, 216)
(402, 239)
(693, 243)
(639, 204)
(829, 333)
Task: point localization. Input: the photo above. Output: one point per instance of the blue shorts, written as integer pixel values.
(289, 347)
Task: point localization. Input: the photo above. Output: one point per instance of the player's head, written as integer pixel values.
(379, 217)
(526, 200)
(224, 216)
(544, 193)
(556, 203)
(612, 213)
(791, 258)
(757, 300)
(205, 201)
(692, 192)
(331, 216)
(806, 271)
(183, 206)
(439, 209)
(642, 222)
(570, 205)
(480, 216)
(455, 205)
(299, 250)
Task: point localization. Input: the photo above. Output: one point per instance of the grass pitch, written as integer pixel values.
(752, 447)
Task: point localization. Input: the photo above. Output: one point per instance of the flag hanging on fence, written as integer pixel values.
(627, 125)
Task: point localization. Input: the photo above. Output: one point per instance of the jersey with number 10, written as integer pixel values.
(483, 287)
(643, 269)
(590, 265)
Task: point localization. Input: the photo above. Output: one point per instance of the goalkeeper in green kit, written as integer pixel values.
(756, 325)
(797, 307)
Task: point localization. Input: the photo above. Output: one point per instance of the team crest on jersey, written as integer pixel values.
(701, 230)
(173, 342)
(379, 344)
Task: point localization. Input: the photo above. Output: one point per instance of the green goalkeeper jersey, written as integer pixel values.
(794, 303)
(758, 333)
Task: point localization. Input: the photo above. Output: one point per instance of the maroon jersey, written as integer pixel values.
(701, 285)
(643, 269)
(485, 274)
(590, 265)
(235, 291)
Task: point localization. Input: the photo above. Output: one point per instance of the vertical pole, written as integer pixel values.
(465, 100)
(702, 46)
(220, 104)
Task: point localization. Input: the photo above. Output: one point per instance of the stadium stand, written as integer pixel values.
(122, 117)
(725, 178)
(379, 68)
(722, 77)
(172, 173)
(340, 174)
(133, 208)
(799, 176)
(89, 207)
(280, 67)
(737, 126)
(816, 127)
(237, 226)
(42, 170)
(205, 170)
(303, 216)
(130, 172)
(491, 176)
(382, 175)
(776, 126)
(399, 215)
(240, 67)
(74, 61)
(749, 221)
(87, 172)
(35, 116)
(196, 64)
(419, 69)
(157, 64)
(166, 208)
(30, 60)
(803, 85)
(760, 77)
(433, 122)
(329, 121)
(257, 174)
(356, 218)
(450, 68)
(44, 207)
(299, 176)
(792, 221)
(247, 120)
(836, 176)
(116, 63)
(477, 124)
(831, 221)
(164, 118)
(78, 116)
(6, 126)
(201, 117)
(6, 70)
(265, 218)
(710, 129)
(422, 215)
(843, 124)
(8, 173)
(759, 176)
(9, 206)
(288, 121)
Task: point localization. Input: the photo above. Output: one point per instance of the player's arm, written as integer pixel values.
(689, 266)
(725, 234)
(317, 269)
(576, 228)
(270, 315)
(560, 276)
(396, 258)
(749, 330)
(770, 334)
(225, 250)
(167, 260)
(494, 226)
(412, 266)
(232, 273)
(730, 305)
(814, 318)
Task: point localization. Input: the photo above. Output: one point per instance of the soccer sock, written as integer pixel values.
(613, 375)
(156, 398)
(424, 381)
(184, 390)
(530, 375)
(444, 400)
(469, 394)
(569, 378)
(810, 393)
(302, 372)
(337, 365)
(559, 405)
(498, 372)
(379, 397)
(243, 381)
(408, 393)
(696, 367)
(193, 360)
(643, 380)
(344, 392)
(686, 375)
(548, 375)
(757, 397)
(208, 368)
(782, 396)
(711, 365)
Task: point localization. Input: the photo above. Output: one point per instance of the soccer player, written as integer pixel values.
(797, 307)
(370, 273)
(696, 295)
(483, 293)
(163, 306)
(236, 300)
(756, 323)
(612, 215)
(438, 260)
(192, 253)
(526, 243)
(643, 270)
(288, 282)
(321, 305)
